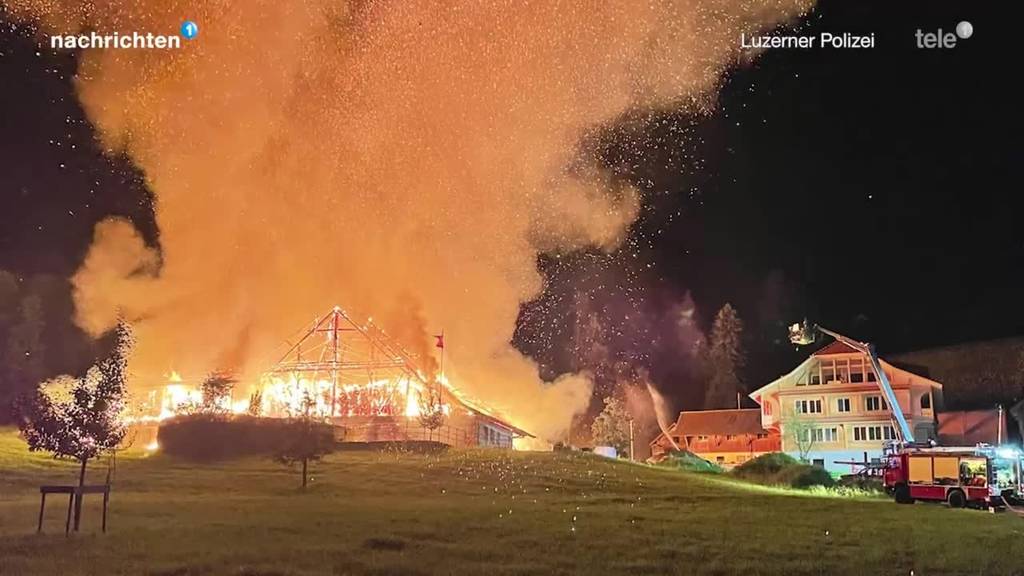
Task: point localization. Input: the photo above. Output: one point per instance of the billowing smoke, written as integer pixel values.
(405, 159)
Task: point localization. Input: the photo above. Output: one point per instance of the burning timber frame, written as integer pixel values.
(372, 354)
(367, 371)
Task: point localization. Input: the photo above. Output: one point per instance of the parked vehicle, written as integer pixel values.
(960, 476)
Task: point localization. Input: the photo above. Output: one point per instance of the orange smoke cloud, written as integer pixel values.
(407, 159)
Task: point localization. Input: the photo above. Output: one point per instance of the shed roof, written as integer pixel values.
(971, 427)
(719, 422)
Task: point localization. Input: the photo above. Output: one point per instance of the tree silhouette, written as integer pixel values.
(216, 390)
(611, 427)
(307, 439)
(431, 414)
(87, 420)
(724, 359)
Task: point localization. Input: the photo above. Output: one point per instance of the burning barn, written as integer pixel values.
(373, 390)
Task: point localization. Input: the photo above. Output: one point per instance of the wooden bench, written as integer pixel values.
(75, 496)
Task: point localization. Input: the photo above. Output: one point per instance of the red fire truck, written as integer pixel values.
(958, 475)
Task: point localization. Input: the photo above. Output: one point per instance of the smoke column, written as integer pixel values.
(404, 159)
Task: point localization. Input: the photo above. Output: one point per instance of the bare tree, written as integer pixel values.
(431, 407)
(255, 403)
(216, 390)
(801, 431)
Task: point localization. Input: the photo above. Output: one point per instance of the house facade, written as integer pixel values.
(726, 437)
(831, 407)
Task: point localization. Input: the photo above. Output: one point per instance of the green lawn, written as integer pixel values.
(478, 513)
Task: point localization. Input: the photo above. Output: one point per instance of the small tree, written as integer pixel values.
(431, 407)
(611, 427)
(307, 439)
(800, 429)
(216, 390)
(87, 421)
(255, 403)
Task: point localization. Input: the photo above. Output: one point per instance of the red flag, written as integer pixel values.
(440, 340)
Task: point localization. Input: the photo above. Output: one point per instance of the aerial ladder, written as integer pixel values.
(806, 333)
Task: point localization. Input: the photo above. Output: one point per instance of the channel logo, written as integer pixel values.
(126, 41)
(941, 39)
(189, 29)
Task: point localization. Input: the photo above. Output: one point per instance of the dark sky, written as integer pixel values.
(870, 190)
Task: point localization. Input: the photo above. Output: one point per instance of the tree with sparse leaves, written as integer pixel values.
(87, 421)
(255, 404)
(801, 431)
(308, 438)
(216, 391)
(611, 426)
(724, 359)
(431, 407)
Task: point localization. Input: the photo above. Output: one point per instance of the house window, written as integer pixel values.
(730, 437)
(873, 433)
(767, 408)
(720, 459)
(857, 370)
(871, 375)
(807, 406)
(819, 462)
(842, 404)
(820, 435)
(926, 401)
(875, 403)
(843, 371)
(761, 436)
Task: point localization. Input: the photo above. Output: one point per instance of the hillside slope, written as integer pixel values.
(477, 513)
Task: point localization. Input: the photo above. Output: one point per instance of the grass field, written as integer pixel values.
(477, 513)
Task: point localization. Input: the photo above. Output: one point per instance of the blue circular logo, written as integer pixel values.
(189, 29)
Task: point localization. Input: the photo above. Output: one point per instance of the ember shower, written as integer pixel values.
(404, 159)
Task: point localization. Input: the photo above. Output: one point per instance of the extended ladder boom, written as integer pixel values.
(804, 335)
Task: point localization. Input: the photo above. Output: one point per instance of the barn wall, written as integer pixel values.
(459, 430)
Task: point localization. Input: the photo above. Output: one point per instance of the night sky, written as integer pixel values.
(869, 190)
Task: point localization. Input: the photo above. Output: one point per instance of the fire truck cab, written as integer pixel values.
(960, 476)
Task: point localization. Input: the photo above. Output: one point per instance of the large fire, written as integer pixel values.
(415, 159)
(290, 396)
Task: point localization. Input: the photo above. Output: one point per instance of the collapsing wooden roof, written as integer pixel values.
(346, 353)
